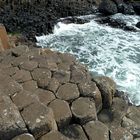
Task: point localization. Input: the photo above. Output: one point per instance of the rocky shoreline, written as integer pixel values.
(37, 17)
(48, 95)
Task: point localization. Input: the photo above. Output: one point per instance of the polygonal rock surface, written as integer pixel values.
(42, 76)
(53, 85)
(84, 110)
(29, 65)
(23, 99)
(22, 76)
(79, 74)
(39, 119)
(62, 76)
(74, 132)
(30, 85)
(44, 96)
(91, 90)
(25, 136)
(107, 88)
(11, 122)
(54, 135)
(96, 130)
(132, 121)
(50, 65)
(68, 92)
(120, 134)
(61, 111)
(20, 50)
(10, 71)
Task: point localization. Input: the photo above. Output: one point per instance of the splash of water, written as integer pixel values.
(105, 50)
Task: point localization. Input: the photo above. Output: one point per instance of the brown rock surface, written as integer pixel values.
(39, 119)
(96, 130)
(84, 110)
(74, 132)
(25, 136)
(68, 92)
(61, 111)
(44, 96)
(11, 122)
(54, 135)
(107, 88)
(91, 90)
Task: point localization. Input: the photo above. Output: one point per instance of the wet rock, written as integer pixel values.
(120, 134)
(64, 66)
(74, 132)
(107, 88)
(54, 135)
(84, 110)
(30, 85)
(25, 136)
(96, 129)
(11, 121)
(22, 76)
(91, 90)
(138, 25)
(62, 76)
(53, 85)
(44, 96)
(23, 99)
(39, 119)
(108, 7)
(42, 76)
(29, 65)
(68, 92)
(61, 111)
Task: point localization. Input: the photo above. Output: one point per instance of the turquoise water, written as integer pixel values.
(105, 50)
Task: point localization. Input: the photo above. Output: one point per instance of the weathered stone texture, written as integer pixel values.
(61, 111)
(84, 110)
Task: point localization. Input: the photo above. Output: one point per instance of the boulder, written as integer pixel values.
(108, 7)
(84, 110)
(107, 88)
(62, 112)
(39, 119)
(11, 122)
(25, 136)
(68, 92)
(74, 132)
(96, 130)
(138, 25)
(91, 90)
(54, 135)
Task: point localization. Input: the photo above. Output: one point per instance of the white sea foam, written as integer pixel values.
(106, 51)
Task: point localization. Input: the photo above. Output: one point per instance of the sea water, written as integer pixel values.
(105, 50)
